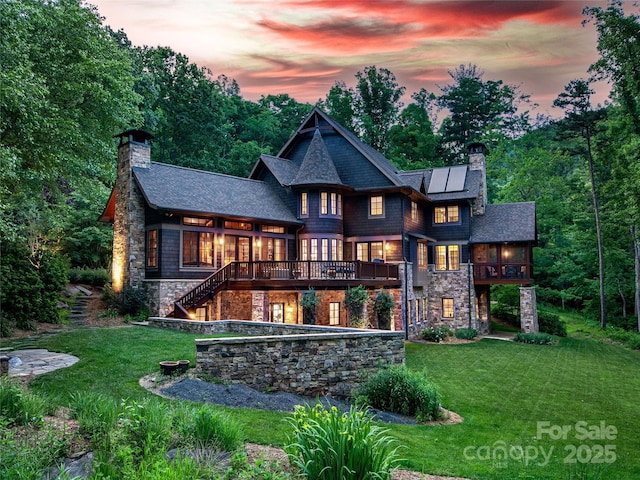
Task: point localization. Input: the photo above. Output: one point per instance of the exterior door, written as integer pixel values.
(238, 249)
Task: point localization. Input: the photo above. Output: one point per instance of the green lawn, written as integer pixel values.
(502, 389)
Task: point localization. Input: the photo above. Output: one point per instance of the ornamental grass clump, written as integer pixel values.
(400, 390)
(334, 445)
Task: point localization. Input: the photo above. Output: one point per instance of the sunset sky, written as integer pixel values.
(302, 47)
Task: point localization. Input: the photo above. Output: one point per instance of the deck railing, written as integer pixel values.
(282, 270)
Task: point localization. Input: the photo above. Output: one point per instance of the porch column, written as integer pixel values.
(528, 310)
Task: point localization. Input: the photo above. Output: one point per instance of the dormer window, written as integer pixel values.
(448, 214)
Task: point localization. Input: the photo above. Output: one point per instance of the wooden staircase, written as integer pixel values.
(185, 306)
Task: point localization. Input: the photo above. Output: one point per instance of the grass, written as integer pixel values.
(502, 389)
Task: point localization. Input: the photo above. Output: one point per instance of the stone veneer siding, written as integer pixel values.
(161, 294)
(302, 359)
(456, 285)
(528, 310)
(129, 238)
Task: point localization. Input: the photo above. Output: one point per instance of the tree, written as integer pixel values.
(479, 111)
(378, 103)
(412, 143)
(371, 108)
(576, 101)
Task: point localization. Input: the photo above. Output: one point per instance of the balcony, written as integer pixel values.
(495, 273)
(291, 275)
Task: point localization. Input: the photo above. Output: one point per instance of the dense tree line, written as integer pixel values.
(69, 83)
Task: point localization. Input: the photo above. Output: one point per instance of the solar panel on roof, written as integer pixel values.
(457, 176)
(438, 182)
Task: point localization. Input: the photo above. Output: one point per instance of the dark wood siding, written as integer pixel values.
(450, 232)
(316, 223)
(358, 223)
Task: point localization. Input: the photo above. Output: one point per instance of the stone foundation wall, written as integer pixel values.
(331, 364)
(307, 360)
(162, 293)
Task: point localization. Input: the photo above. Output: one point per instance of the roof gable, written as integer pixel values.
(179, 189)
(505, 222)
(317, 167)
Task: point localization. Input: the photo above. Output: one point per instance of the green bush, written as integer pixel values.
(130, 301)
(354, 300)
(383, 306)
(466, 333)
(18, 405)
(400, 390)
(437, 334)
(329, 444)
(534, 338)
(7, 324)
(550, 323)
(97, 277)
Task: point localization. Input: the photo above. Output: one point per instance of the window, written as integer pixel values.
(238, 225)
(362, 251)
(197, 249)
(449, 214)
(334, 313)
(201, 314)
(422, 256)
(304, 204)
(276, 312)
(324, 203)
(334, 249)
(304, 249)
(339, 203)
(325, 249)
(377, 251)
(414, 211)
(376, 206)
(334, 204)
(447, 308)
(273, 249)
(447, 257)
(314, 249)
(272, 229)
(199, 222)
(152, 248)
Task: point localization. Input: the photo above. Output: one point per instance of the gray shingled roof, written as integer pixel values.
(505, 222)
(283, 169)
(418, 179)
(317, 167)
(172, 188)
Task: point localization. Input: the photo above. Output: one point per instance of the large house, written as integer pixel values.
(326, 214)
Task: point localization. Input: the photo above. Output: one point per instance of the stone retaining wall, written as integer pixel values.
(306, 360)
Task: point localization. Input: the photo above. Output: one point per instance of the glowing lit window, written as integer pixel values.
(449, 214)
(325, 248)
(304, 204)
(152, 248)
(376, 206)
(447, 308)
(314, 249)
(334, 313)
(422, 256)
(199, 222)
(414, 211)
(197, 249)
(447, 257)
(324, 203)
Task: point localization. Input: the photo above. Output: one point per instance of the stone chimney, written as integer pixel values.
(477, 161)
(128, 268)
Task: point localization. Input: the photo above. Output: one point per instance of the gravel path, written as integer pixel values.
(241, 396)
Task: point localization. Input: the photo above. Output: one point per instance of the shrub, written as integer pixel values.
(383, 306)
(130, 301)
(400, 390)
(534, 338)
(329, 444)
(19, 406)
(309, 302)
(436, 334)
(98, 277)
(354, 300)
(466, 333)
(6, 325)
(550, 323)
